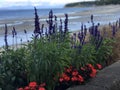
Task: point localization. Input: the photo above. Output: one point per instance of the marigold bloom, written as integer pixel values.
(32, 84)
(42, 88)
(99, 66)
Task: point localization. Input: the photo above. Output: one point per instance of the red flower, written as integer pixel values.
(43, 85)
(42, 88)
(74, 78)
(68, 70)
(32, 84)
(74, 73)
(20, 89)
(90, 66)
(93, 73)
(99, 66)
(66, 78)
(61, 79)
(80, 78)
(26, 88)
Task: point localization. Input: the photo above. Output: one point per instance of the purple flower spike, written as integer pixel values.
(113, 30)
(119, 22)
(25, 31)
(37, 25)
(50, 22)
(60, 27)
(6, 32)
(92, 18)
(66, 23)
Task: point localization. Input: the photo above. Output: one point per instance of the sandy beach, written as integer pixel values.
(102, 15)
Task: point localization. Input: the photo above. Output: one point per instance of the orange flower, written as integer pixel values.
(90, 66)
(80, 78)
(32, 84)
(74, 78)
(93, 73)
(66, 78)
(74, 73)
(99, 66)
(42, 88)
(20, 89)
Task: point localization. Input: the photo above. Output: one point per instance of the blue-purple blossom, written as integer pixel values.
(92, 18)
(50, 22)
(66, 23)
(61, 27)
(25, 31)
(6, 33)
(37, 24)
(113, 30)
(119, 22)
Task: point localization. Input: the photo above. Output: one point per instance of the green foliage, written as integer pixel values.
(84, 56)
(105, 50)
(12, 69)
(47, 59)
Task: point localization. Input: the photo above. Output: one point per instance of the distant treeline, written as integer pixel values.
(92, 3)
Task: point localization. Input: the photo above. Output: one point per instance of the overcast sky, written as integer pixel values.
(40, 3)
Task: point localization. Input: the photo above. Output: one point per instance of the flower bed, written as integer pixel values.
(54, 59)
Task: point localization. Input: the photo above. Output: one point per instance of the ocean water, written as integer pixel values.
(29, 13)
(75, 25)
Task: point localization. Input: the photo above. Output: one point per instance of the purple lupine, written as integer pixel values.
(113, 30)
(85, 30)
(14, 31)
(82, 27)
(92, 18)
(74, 37)
(61, 27)
(66, 23)
(42, 27)
(15, 34)
(25, 31)
(55, 23)
(95, 30)
(37, 24)
(46, 32)
(81, 37)
(54, 29)
(119, 22)
(6, 33)
(99, 43)
(50, 22)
